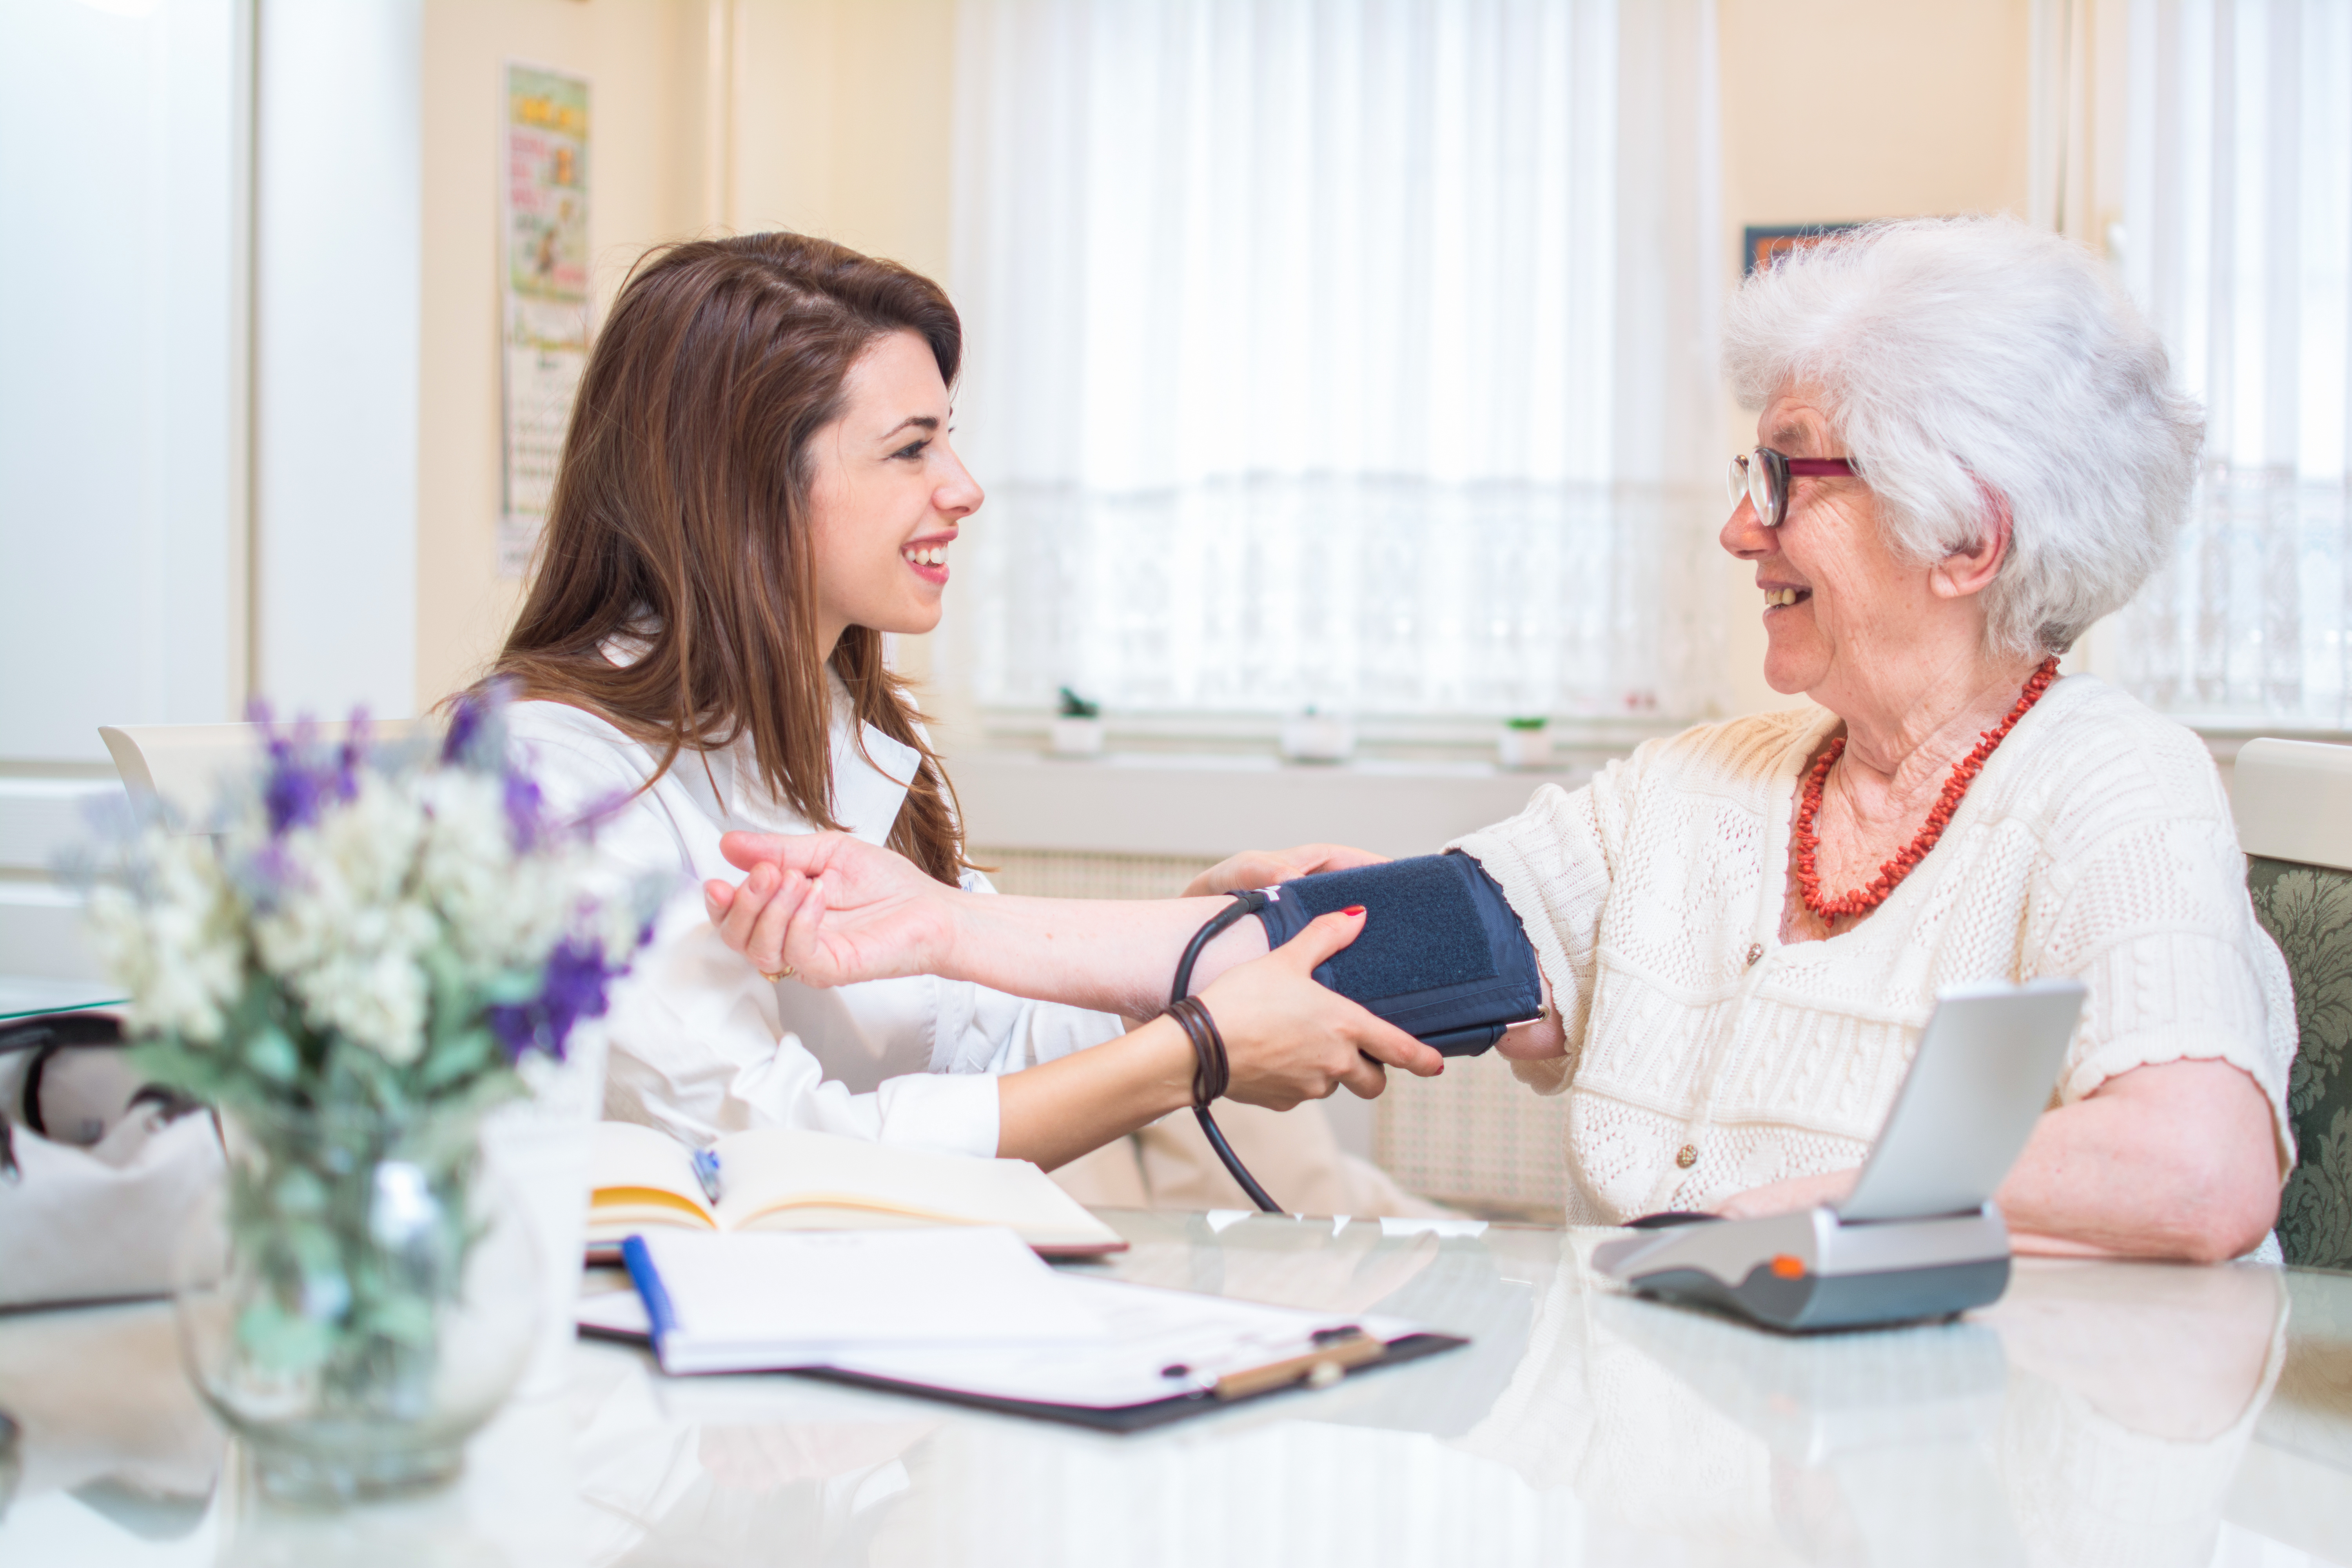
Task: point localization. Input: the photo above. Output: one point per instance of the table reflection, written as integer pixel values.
(722, 1470)
(93, 1408)
(2096, 1415)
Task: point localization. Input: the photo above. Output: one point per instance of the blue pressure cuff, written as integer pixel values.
(1442, 956)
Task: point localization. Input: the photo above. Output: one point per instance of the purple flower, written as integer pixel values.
(575, 984)
(574, 988)
(465, 721)
(516, 1025)
(476, 739)
(524, 818)
(298, 783)
(353, 752)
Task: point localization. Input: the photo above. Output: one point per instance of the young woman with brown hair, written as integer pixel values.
(757, 487)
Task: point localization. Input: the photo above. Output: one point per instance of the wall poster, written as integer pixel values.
(545, 292)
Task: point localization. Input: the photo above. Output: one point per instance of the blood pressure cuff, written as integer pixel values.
(1441, 956)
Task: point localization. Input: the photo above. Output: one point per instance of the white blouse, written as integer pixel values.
(701, 1044)
(1704, 1057)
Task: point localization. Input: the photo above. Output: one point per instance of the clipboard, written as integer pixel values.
(1112, 1382)
(1156, 1413)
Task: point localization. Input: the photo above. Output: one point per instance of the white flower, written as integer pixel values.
(345, 929)
(342, 913)
(376, 999)
(467, 866)
(177, 945)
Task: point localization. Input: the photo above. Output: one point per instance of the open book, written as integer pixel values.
(778, 1179)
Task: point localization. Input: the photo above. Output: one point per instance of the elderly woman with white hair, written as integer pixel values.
(1968, 452)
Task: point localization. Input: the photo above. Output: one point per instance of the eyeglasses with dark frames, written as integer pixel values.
(1763, 475)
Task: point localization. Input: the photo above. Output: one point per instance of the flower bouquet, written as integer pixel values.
(351, 968)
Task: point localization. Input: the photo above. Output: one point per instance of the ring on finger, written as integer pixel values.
(773, 975)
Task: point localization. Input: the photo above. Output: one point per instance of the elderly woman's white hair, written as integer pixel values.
(1971, 363)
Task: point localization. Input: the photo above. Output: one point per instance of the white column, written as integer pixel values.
(337, 221)
(121, 435)
(120, 539)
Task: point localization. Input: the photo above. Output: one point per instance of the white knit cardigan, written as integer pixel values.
(1704, 1057)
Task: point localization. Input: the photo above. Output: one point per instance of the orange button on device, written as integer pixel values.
(1788, 1265)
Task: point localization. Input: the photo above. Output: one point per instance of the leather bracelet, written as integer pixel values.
(1217, 1044)
(1182, 1014)
(1214, 1072)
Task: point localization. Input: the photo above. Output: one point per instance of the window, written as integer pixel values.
(1356, 354)
(2235, 234)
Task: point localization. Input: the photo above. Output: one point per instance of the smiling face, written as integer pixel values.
(1839, 606)
(887, 495)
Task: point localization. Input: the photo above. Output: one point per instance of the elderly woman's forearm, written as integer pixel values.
(1114, 956)
(2173, 1161)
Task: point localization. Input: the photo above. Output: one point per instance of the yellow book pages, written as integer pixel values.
(648, 1174)
(659, 1208)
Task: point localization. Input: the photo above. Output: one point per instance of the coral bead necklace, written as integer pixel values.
(1864, 899)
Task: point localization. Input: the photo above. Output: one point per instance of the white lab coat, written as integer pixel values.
(701, 1044)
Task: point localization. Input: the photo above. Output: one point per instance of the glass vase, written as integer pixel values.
(365, 1300)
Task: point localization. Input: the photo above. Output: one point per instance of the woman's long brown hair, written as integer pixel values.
(680, 516)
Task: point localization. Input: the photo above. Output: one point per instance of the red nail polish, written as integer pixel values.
(1353, 910)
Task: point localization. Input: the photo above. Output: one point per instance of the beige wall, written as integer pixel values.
(833, 117)
(1840, 110)
(843, 123)
(841, 115)
(642, 60)
(710, 117)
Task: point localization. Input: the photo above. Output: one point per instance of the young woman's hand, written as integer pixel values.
(1264, 867)
(829, 909)
(1288, 1038)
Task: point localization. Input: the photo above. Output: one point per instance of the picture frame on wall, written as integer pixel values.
(1762, 244)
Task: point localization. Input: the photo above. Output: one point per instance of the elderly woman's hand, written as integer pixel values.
(1786, 1197)
(886, 917)
(1264, 867)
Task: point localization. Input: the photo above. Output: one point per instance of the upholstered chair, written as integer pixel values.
(2293, 800)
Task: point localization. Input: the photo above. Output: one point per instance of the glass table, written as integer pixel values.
(2099, 1413)
(21, 996)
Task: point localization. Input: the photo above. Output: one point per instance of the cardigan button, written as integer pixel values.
(1687, 1156)
(1755, 951)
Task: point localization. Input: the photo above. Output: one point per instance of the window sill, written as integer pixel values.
(1470, 738)
(1208, 804)
(1207, 785)
(2224, 737)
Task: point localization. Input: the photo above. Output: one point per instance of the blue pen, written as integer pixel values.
(706, 1171)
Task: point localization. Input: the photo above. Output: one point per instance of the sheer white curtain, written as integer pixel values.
(2237, 237)
(1357, 353)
